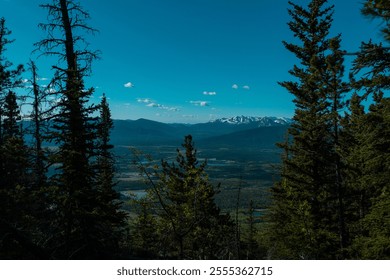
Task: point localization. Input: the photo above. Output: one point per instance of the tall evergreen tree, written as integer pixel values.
(15, 240)
(372, 140)
(112, 218)
(308, 212)
(14, 165)
(77, 228)
(190, 223)
(336, 88)
(9, 79)
(14, 181)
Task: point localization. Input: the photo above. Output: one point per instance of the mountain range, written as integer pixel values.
(255, 121)
(225, 132)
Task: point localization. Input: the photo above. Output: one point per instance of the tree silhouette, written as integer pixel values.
(308, 207)
(190, 224)
(79, 229)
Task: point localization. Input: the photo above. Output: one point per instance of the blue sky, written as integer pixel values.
(186, 61)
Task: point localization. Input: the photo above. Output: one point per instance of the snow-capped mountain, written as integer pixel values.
(218, 132)
(254, 121)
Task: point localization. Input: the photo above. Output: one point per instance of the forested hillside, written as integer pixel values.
(332, 201)
(330, 197)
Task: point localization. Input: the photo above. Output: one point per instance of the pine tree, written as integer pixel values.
(13, 150)
(308, 213)
(15, 238)
(353, 153)
(146, 239)
(14, 193)
(111, 217)
(189, 222)
(77, 201)
(372, 141)
(373, 242)
(9, 79)
(336, 88)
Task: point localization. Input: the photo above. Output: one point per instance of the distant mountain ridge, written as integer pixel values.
(239, 131)
(259, 121)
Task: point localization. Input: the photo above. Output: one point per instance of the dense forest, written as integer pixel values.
(331, 199)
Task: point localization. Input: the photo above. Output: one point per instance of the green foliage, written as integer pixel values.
(369, 130)
(146, 237)
(86, 219)
(15, 237)
(189, 223)
(111, 217)
(308, 201)
(378, 9)
(73, 194)
(332, 200)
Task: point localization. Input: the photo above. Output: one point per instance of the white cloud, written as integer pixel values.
(163, 107)
(144, 100)
(235, 86)
(42, 79)
(200, 103)
(128, 85)
(154, 105)
(210, 93)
